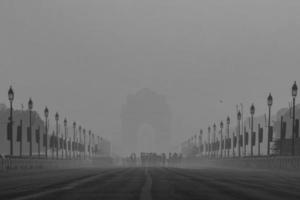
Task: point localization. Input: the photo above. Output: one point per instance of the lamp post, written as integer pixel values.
(209, 143)
(294, 94)
(200, 142)
(11, 96)
(221, 126)
(228, 123)
(252, 111)
(93, 144)
(239, 116)
(61, 144)
(89, 147)
(53, 144)
(56, 119)
(214, 138)
(194, 145)
(80, 150)
(101, 143)
(242, 131)
(69, 142)
(30, 106)
(20, 132)
(98, 146)
(84, 144)
(46, 113)
(74, 138)
(65, 145)
(270, 102)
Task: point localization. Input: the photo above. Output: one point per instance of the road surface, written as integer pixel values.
(149, 183)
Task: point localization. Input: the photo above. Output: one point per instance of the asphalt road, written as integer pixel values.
(149, 183)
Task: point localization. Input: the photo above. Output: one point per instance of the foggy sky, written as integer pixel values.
(82, 58)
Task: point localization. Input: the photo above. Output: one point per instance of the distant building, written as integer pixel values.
(19, 115)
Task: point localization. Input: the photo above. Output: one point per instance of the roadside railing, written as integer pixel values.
(263, 162)
(11, 163)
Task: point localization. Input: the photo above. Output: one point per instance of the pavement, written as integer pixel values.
(149, 184)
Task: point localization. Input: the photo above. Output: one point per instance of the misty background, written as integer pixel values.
(83, 58)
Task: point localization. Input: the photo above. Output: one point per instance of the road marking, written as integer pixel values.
(146, 190)
(33, 196)
(67, 187)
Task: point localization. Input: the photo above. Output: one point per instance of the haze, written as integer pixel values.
(83, 58)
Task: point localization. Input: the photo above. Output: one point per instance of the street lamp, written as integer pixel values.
(80, 150)
(84, 150)
(98, 144)
(270, 102)
(89, 147)
(53, 143)
(294, 94)
(56, 119)
(93, 144)
(46, 113)
(209, 143)
(66, 136)
(228, 123)
(74, 136)
(252, 111)
(200, 142)
(214, 138)
(239, 116)
(101, 142)
(11, 96)
(30, 106)
(221, 126)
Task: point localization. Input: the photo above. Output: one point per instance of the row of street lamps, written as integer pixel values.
(11, 96)
(239, 118)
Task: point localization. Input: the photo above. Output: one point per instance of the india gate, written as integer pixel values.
(146, 107)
